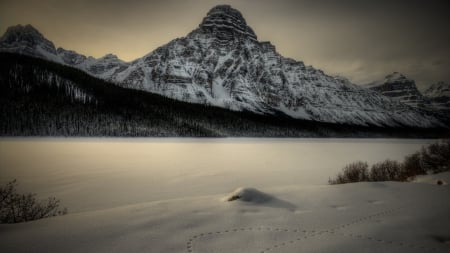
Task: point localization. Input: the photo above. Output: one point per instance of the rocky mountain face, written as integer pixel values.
(439, 95)
(29, 41)
(222, 63)
(401, 88)
(436, 99)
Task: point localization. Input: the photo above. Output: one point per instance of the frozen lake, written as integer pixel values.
(91, 174)
(167, 195)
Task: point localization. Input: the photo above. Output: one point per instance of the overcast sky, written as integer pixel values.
(360, 39)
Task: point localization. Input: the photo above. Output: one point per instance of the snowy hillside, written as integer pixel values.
(222, 63)
(363, 217)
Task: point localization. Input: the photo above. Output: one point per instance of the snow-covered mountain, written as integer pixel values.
(435, 99)
(28, 40)
(439, 94)
(222, 63)
(440, 89)
(401, 88)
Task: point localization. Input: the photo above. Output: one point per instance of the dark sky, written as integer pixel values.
(359, 39)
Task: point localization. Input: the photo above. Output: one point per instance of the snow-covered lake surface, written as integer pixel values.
(167, 195)
(90, 174)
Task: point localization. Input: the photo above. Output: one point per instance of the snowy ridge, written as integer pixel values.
(221, 63)
(28, 40)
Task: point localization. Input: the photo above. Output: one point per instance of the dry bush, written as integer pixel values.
(386, 171)
(16, 207)
(412, 167)
(354, 172)
(436, 157)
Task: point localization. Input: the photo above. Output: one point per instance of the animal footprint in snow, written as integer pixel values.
(250, 239)
(375, 202)
(340, 207)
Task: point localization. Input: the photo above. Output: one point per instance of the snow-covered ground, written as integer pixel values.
(182, 206)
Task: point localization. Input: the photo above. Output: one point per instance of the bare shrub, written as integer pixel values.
(16, 207)
(386, 171)
(436, 157)
(354, 172)
(412, 166)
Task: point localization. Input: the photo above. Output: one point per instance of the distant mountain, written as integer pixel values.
(221, 63)
(439, 95)
(401, 88)
(28, 40)
(434, 101)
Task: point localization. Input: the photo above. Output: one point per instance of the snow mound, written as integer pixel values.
(254, 196)
(436, 179)
(249, 195)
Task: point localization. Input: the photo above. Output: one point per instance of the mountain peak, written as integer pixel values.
(396, 77)
(17, 32)
(226, 9)
(23, 28)
(110, 56)
(226, 22)
(25, 39)
(400, 88)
